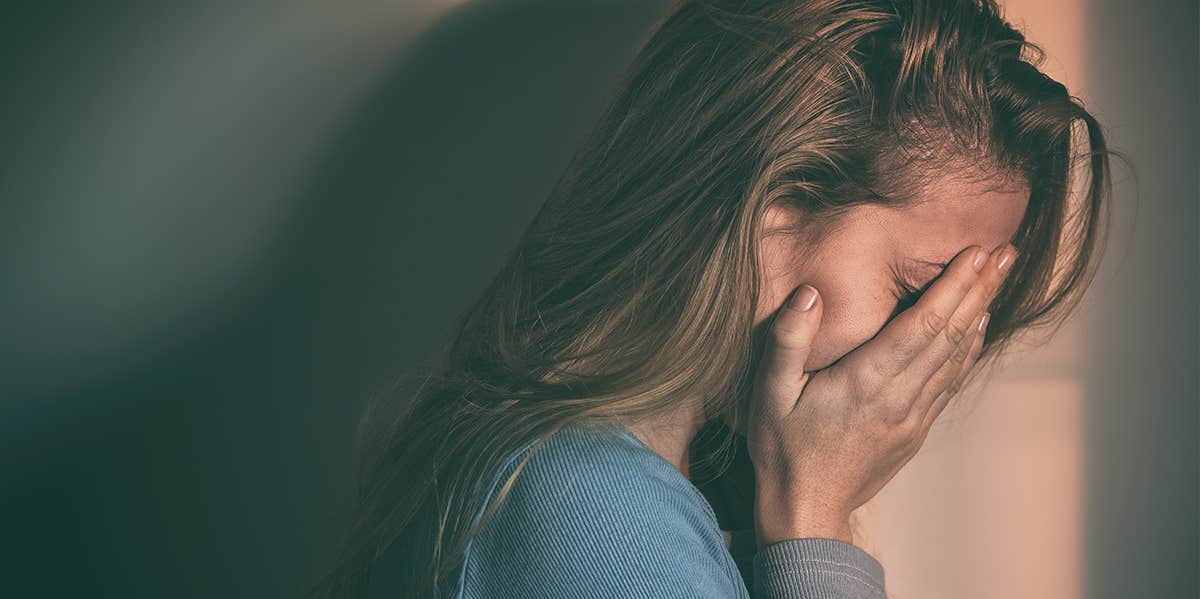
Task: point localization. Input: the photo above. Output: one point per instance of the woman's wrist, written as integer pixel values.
(834, 528)
(776, 521)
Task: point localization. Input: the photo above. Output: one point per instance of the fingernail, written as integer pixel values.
(983, 321)
(804, 298)
(1006, 260)
(980, 258)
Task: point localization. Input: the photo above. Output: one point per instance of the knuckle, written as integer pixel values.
(941, 378)
(905, 437)
(953, 388)
(895, 413)
(961, 351)
(919, 433)
(932, 323)
(909, 428)
(910, 433)
(957, 329)
(865, 382)
(939, 403)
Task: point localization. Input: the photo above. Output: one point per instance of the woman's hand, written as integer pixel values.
(824, 443)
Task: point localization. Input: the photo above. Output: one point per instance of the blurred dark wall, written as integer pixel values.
(233, 224)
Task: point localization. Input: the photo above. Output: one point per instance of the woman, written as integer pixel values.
(796, 219)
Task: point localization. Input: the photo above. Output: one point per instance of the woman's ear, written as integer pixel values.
(773, 217)
(780, 218)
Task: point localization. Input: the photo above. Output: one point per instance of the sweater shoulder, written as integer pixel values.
(592, 511)
(591, 464)
(595, 475)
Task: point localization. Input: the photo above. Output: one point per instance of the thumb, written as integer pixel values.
(781, 371)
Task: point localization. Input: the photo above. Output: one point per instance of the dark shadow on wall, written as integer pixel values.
(223, 468)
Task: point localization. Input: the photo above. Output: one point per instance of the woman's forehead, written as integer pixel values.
(955, 212)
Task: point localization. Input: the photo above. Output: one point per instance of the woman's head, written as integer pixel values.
(756, 145)
(752, 145)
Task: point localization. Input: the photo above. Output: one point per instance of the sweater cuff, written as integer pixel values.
(818, 568)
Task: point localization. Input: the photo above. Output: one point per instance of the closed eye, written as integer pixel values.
(906, 293)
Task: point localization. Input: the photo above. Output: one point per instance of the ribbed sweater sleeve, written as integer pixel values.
(816, 568)
(595, 513)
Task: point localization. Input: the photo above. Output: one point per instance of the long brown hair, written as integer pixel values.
(635, 285)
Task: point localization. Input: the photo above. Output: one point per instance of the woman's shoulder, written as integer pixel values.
(584, 470)
(593, 503)
(581, 457)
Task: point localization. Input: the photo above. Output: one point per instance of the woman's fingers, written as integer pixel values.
(907, 336)
(781, 376)
(949, 374)
(944, 397)
(966, 315)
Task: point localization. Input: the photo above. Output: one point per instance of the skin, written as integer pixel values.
(855, 271)
(853, 268)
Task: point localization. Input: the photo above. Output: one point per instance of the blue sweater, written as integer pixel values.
(597, 514)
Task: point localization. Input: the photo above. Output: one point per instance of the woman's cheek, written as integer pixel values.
(845, 326)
